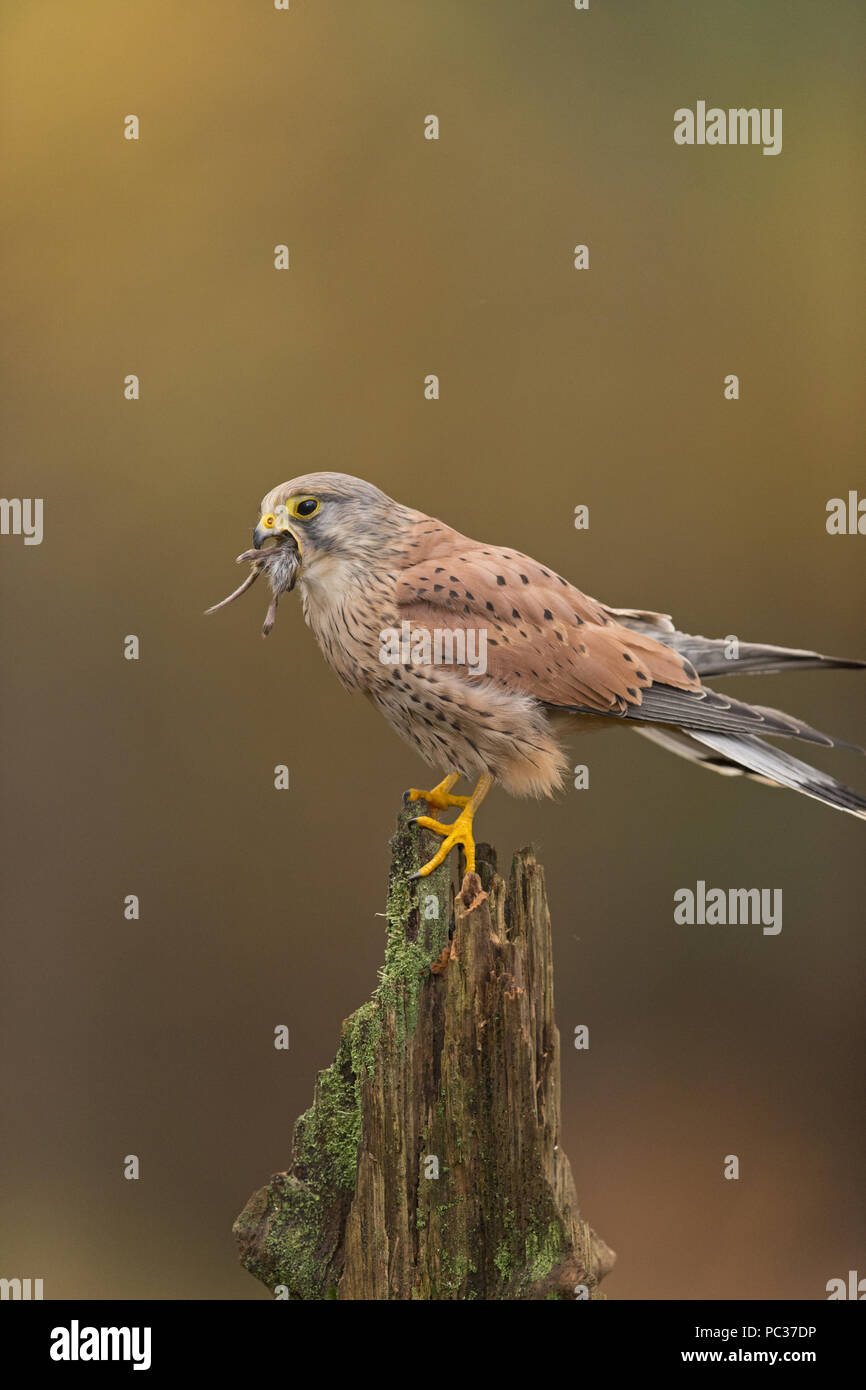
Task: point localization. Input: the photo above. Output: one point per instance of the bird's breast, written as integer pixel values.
(347, 611)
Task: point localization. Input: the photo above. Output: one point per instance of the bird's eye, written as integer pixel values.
(268, 520)
(307, 506)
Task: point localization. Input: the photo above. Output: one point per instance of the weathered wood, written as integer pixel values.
(452, 1068)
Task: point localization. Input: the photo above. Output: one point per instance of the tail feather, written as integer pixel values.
(722, 734)
(706, 710)
(717, 656)
(749, 756)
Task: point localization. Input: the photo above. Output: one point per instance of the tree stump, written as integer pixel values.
(428, 1165)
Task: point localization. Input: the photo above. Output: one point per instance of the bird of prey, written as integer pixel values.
(369, 568)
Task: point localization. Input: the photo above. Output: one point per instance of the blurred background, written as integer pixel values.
(558, 387)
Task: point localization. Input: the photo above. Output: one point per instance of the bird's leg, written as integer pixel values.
(460, 833)
(440, 795)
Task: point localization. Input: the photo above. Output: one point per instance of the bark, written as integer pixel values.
(428, 1165)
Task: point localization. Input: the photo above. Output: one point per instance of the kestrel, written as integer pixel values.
(399, 601)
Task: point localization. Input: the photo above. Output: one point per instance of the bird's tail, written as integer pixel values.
(715, 732)
(749, 756)
(726, 656)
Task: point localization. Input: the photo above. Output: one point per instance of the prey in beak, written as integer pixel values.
(281, 562)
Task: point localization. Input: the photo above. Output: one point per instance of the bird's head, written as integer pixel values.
(324, 527)
(329, 515)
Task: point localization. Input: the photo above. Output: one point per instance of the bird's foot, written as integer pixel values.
(439, 796)
(460, 833)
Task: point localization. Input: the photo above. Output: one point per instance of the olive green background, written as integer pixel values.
(603, 387)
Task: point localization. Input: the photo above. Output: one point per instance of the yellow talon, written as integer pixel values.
(440, 795)
(460, 832)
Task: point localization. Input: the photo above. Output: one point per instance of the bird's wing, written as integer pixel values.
(544, 637)
(547, 639)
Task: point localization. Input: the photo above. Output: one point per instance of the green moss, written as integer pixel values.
(291, 1243)
(544, 1250)
(407, 963)
(327, 1136)
(454, 1273)
(455, 1264)
(332, 1126)
(531, 1258)
(364, 1030)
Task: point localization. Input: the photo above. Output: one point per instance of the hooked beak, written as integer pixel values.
(274, 531)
